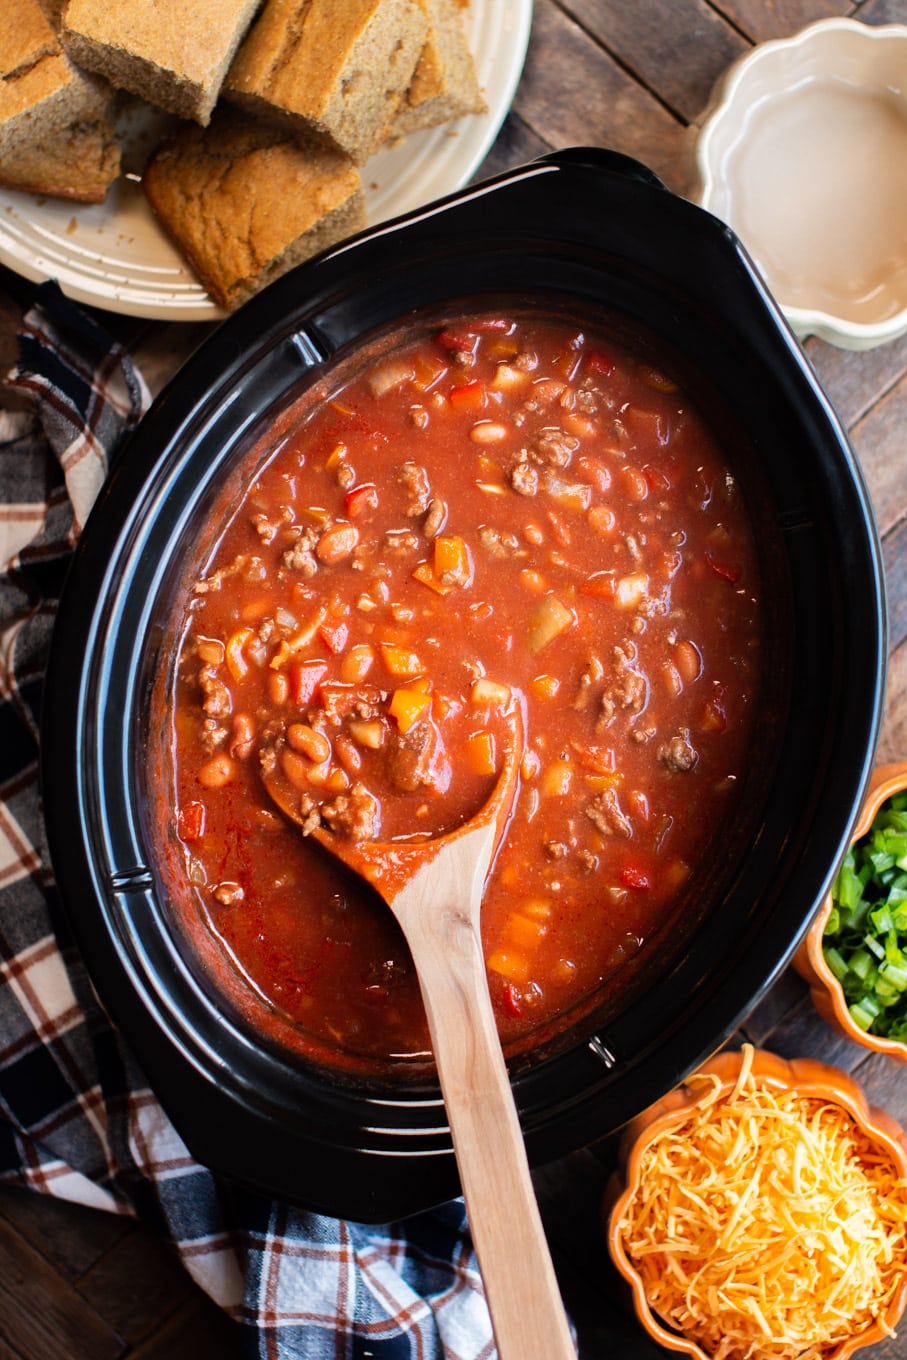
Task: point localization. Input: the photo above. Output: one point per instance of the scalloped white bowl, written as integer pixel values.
(803, 153)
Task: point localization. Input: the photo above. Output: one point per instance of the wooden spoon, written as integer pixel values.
(434, 888)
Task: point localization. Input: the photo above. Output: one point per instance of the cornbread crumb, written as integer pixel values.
(334, 69)
(244, 202)
(174, 55)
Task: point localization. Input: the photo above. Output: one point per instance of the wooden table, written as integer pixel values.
(76, 1285)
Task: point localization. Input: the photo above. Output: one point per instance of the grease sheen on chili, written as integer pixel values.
(501, 510)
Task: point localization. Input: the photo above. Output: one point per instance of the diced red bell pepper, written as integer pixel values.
(728, 571)
(361, 499)
(305, 677)
(466, 339)
(190, 822)
(597, 361)
(334, 636)
(512, 1001)
(468, 396)
(634, 876)
(658, 482)
(714, 713)
(602, 584)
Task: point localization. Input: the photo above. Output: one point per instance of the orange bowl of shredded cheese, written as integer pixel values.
(761, 1213)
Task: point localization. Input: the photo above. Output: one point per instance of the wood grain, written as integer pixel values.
(78, 1284)
(645, 37)
(761, 20)
(878, 438)
(587, 98)
(41, 1314)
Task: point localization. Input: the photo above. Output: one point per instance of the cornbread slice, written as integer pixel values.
(335, 69)
(173, 54)
(244, 202)
(54, 138)
(25, 37)
(79, 162)
(444, 84)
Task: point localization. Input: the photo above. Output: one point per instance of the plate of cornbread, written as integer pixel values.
(170, 161)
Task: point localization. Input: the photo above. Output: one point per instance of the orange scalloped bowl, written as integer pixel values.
(806, 1077)
(825, 989)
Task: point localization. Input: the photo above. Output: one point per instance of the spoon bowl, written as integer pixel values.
(434, 888)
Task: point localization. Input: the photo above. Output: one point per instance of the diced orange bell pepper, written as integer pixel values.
(237, 664)
(407, 706)
(509, 964)
(425, 573)
(400, 661)
(480, 752)
(452, 562)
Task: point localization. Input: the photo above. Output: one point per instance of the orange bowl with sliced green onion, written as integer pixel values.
(854, 956)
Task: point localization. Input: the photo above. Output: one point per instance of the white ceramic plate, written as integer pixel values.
(114, 254)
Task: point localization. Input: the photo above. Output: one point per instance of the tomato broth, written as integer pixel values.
(496, 511)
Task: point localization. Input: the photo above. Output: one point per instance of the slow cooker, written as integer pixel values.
(598, 230)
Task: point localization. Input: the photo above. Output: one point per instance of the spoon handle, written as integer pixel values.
(524, 1300)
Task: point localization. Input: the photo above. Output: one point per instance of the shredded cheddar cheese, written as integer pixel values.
(766, 1225)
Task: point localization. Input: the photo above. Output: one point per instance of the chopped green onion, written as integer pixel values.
(865, 937)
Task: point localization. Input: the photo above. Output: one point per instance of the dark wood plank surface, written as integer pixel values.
(75, 1283)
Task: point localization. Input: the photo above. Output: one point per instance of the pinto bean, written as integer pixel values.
(336, 544)
(309, 742)
(217, 772)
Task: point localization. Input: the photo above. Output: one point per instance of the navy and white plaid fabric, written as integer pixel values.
(76, 1118)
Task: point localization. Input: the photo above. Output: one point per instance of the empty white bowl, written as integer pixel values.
(803, 152)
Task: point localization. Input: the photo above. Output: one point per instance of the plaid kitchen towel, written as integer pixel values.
(76, 1118)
